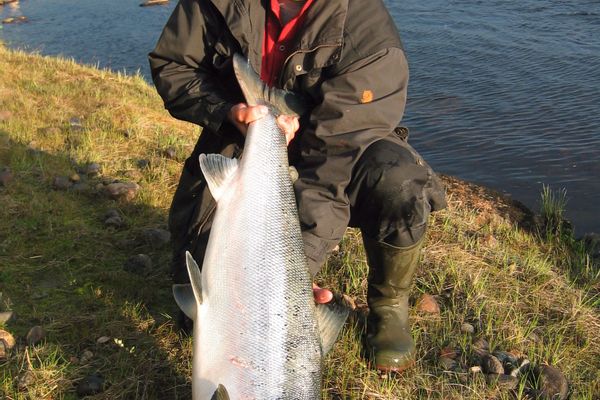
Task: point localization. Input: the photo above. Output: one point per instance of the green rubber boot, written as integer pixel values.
(391, 272)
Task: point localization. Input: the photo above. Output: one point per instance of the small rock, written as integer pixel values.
(122, 190)
(35, 335)
(8, 339)
(115, 222)
(467, 328)
(139, 264)
(475, 369)
(5, 114)
(448, 363)
(428, 304)
(506, 382)
(75, 178)
(61, 183)
(75, 123)
(156, 237)
(6, 316)
(143, 164)
(170, 153)
(550, 382)
(90, 385)
(92, 169)
(103, 340)
(6, 176)
(80, 187)
(481, 347)
(491, 365)
(86, 356)
(25, 380)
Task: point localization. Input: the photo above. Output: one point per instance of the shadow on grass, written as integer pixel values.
(62, 268)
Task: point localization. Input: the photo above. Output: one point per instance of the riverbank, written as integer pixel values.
(89, 161)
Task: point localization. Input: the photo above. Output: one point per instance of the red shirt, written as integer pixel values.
(278, 41)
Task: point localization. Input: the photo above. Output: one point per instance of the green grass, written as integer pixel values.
(523, 290)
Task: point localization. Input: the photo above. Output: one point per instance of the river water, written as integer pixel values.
(502, 93)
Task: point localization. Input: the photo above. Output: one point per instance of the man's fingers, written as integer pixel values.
(246, 114)
(321, 295)
(289, 125)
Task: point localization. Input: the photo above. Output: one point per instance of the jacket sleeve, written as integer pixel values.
(182, 67)
(361, 103)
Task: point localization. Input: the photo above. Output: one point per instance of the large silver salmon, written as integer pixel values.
(257, 331)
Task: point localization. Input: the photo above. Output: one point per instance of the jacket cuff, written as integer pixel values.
(316, 250)
(218, 115)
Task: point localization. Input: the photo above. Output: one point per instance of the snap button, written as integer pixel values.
(281, 47)
(298, 68)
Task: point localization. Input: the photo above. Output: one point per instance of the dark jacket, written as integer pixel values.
(348, 62)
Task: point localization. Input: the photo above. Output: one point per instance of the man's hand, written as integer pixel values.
(322, 296)
(241, 115)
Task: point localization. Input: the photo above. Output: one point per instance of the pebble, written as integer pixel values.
(103, 340)
(115, 222)
(139, 264)
(86, 356)
(491, 365)
(6, 316)
(467, 328)
(143, 164)
(450, 352)
(80, 187)
(122, 190)
(156, 237)
(5, 114)
(481, 347)
(170, 153)
(507, 382)
(90, 385)
(552, 383)
(35, 335)
(92, 169)
(8, 339)
(75, 178)
(448, 363)
(475, 369)
(25, 380)
(75, 123)
(6, 176)
(61, 183)
(428, 304)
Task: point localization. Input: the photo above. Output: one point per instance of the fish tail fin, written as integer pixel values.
(257, 92)
(330, 319)
(220, 393)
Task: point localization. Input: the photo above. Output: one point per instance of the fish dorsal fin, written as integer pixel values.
(195, 277)
(220, 393)
(184, 297)
(331, 318)
(217, 171)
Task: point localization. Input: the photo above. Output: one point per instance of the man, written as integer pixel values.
(355, 167)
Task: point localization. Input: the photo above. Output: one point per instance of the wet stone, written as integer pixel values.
(61, 183)
(156, 237)
(103, 340)
(6, 316)
(35, 335)
(90, 385)
(139, 264)
(491, 365)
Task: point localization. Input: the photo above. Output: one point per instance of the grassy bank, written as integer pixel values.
(61, 267)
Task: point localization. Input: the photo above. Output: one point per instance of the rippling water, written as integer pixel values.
(504, 93)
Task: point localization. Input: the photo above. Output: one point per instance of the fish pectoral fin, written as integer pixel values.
(195, 278)
(331, 318)
(184, 297)
(220, 393)
(217, 171)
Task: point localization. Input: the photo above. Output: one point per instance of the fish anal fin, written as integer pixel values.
(218, 171)
(220, 393)
(185, 299)
(331, 318)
